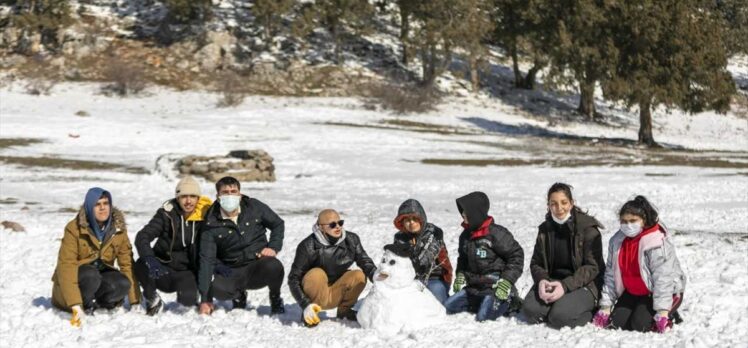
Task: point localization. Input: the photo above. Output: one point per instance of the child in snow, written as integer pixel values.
(643, 281)
(427, 251)
(567, 264)
(85, 277)
(489, 263)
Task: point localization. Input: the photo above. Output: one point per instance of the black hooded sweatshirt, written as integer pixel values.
(487, 251)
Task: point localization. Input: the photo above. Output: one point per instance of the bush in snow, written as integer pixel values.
(124, 77)
(401, 99)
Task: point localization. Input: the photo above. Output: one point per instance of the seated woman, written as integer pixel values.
(426, 243)
(643, 281)
(85, 277)
(567, 264)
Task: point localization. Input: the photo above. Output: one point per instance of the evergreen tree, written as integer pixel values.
(269, 14)
(405, 12)
(472, 30)
(336, 16)
(519, 27)
(186, 11)
(579, 45)
(434, 36)
(672, 53)
(735, 14)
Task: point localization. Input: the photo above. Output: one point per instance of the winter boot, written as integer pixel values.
(153, 306)
(276, 304)
(240, 301)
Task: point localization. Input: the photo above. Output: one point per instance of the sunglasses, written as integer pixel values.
(334, 224)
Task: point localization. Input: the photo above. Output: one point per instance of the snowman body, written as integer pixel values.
(397, 303)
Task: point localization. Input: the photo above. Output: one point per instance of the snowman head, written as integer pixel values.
(395, 270)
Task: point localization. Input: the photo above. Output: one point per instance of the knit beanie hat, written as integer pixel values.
(188, 186)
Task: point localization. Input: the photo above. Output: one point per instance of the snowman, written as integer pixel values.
(398, 303)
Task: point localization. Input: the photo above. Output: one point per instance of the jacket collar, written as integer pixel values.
(320, 236)
(481, 231)
(118, 224)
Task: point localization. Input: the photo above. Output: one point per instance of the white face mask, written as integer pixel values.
(562, 220)
(229, 203)
(631, 230)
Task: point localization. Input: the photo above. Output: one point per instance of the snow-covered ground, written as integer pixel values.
(333, 153)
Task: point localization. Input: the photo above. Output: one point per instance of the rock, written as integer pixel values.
(12, 61)
(13, 226)
(82, 113)
(218, 52)
(244, 165)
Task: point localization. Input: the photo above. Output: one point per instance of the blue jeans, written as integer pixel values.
(439, 288)
(485, 307)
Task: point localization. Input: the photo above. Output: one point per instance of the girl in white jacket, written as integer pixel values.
(643, 280)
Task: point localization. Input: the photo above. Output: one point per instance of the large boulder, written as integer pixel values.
(244, 165)
(218, 52)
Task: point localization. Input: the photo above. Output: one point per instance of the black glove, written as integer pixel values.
(155, 268)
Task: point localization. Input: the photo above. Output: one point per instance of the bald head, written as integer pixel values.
(327, 215)
(326, 218)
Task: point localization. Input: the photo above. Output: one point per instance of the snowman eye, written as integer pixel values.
(384, 260)
(392, 262)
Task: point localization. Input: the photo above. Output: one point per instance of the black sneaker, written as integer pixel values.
(276, 305)
(348, 315)
(240, 302)
(90, 309)
(152, 307)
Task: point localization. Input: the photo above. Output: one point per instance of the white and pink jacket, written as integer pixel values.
(659, 267)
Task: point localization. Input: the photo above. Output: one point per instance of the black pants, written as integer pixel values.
(184, 283)
(573, 309)
(106, 288)
(265, 271)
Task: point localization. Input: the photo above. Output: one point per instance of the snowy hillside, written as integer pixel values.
(333, 153)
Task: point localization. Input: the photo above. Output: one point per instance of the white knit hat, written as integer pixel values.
(188, 186)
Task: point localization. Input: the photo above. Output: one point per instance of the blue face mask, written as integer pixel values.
(229, 203)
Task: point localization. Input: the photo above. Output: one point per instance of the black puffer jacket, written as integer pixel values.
(236, 244)
(586, 254)
(487, 251)
(427, 250)
(176, 237)
(316, 251)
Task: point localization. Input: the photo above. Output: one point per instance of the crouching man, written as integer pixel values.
(171, 264)
(320, 277)
(235, 253)
(85, 277)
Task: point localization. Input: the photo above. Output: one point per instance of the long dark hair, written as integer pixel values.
(566, 189)
(641, 207)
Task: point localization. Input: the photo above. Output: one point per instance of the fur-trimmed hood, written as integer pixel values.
(118, 220)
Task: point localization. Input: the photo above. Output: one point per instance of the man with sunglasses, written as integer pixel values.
(235, 253)
(320, 277)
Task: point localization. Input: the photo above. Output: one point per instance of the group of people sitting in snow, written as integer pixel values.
(207, 250)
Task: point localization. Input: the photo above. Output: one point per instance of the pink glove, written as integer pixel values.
(602, 318)
(661, 322)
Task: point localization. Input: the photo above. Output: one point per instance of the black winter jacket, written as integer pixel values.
(236, 244)
(487, 251)
(586, 254)
(176, 244)
(335, 259)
